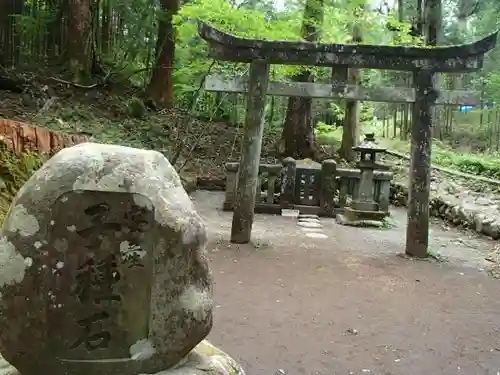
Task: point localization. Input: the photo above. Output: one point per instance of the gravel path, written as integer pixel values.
(348, 304)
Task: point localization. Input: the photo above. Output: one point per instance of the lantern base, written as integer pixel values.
(359, 218)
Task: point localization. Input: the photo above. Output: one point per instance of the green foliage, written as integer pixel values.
(481, 164)
(478, 164)
(14, 172)
(337, 109)
(132, 51)
(132, 54)
(323, 128)
(255, 23)
(29, 25)
(492, 86)
(136, 108)
(366, 113)
(328, 134)
(402, 35)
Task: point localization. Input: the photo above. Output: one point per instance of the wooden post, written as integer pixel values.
(417, 231)
(248, 171)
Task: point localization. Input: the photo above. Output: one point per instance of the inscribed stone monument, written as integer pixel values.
(102, 266)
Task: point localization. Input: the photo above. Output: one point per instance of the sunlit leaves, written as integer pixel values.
(239, 21)
(248, 22)
(242, 22)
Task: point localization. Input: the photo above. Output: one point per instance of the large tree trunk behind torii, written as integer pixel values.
(298, 130)
(350, 133)
(80, 40)
(161, 87)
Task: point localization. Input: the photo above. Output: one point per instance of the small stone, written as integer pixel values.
(205, 358)
(316, 235)
(483, 201)
(303, 216)
(488, 220)
(307, 224)
(495, 230)
(478, 222)
(289, 213)
(304, 229)
(309, 220)
(452, 188)
(352, 331)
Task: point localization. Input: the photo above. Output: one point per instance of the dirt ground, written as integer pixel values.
(349, 304)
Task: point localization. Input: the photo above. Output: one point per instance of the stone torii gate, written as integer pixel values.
(422, 62)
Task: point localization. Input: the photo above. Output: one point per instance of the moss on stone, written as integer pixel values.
(15, 170)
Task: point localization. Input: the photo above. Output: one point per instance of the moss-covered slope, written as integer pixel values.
(15, 170)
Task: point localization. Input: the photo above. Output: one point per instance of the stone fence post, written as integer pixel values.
(288, 183)
(231, 173)
(328, 185)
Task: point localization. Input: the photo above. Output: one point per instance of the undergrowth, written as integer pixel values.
(196, 146)
(15, 170)
(481, 164)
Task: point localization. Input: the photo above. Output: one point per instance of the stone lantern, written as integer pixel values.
(364, 210)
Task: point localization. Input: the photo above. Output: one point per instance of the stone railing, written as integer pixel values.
(312, 188)
(267, 195)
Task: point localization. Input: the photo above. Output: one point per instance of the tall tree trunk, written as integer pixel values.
(54, 30)
(350, 133)
(407, 81)
(80, 39)
(161, 86)
(95, 10)
(462, 30)
(420, 17)
(9, 37)
(298, 130)
(433, 13)
(106, 27)
(19, 7)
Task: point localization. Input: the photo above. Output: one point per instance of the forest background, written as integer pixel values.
(132, 72)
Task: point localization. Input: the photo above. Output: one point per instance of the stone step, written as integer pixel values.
(311, 225)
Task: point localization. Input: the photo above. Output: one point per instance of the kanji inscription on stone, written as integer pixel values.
(103, 243)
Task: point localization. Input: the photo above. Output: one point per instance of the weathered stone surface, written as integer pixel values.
(102, 266)
(364, 223)
(205, 359)
(6, 368)
(190, 183)
(459, 213)
(467, 57)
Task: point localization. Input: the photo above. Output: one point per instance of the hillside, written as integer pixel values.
(115, 114)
